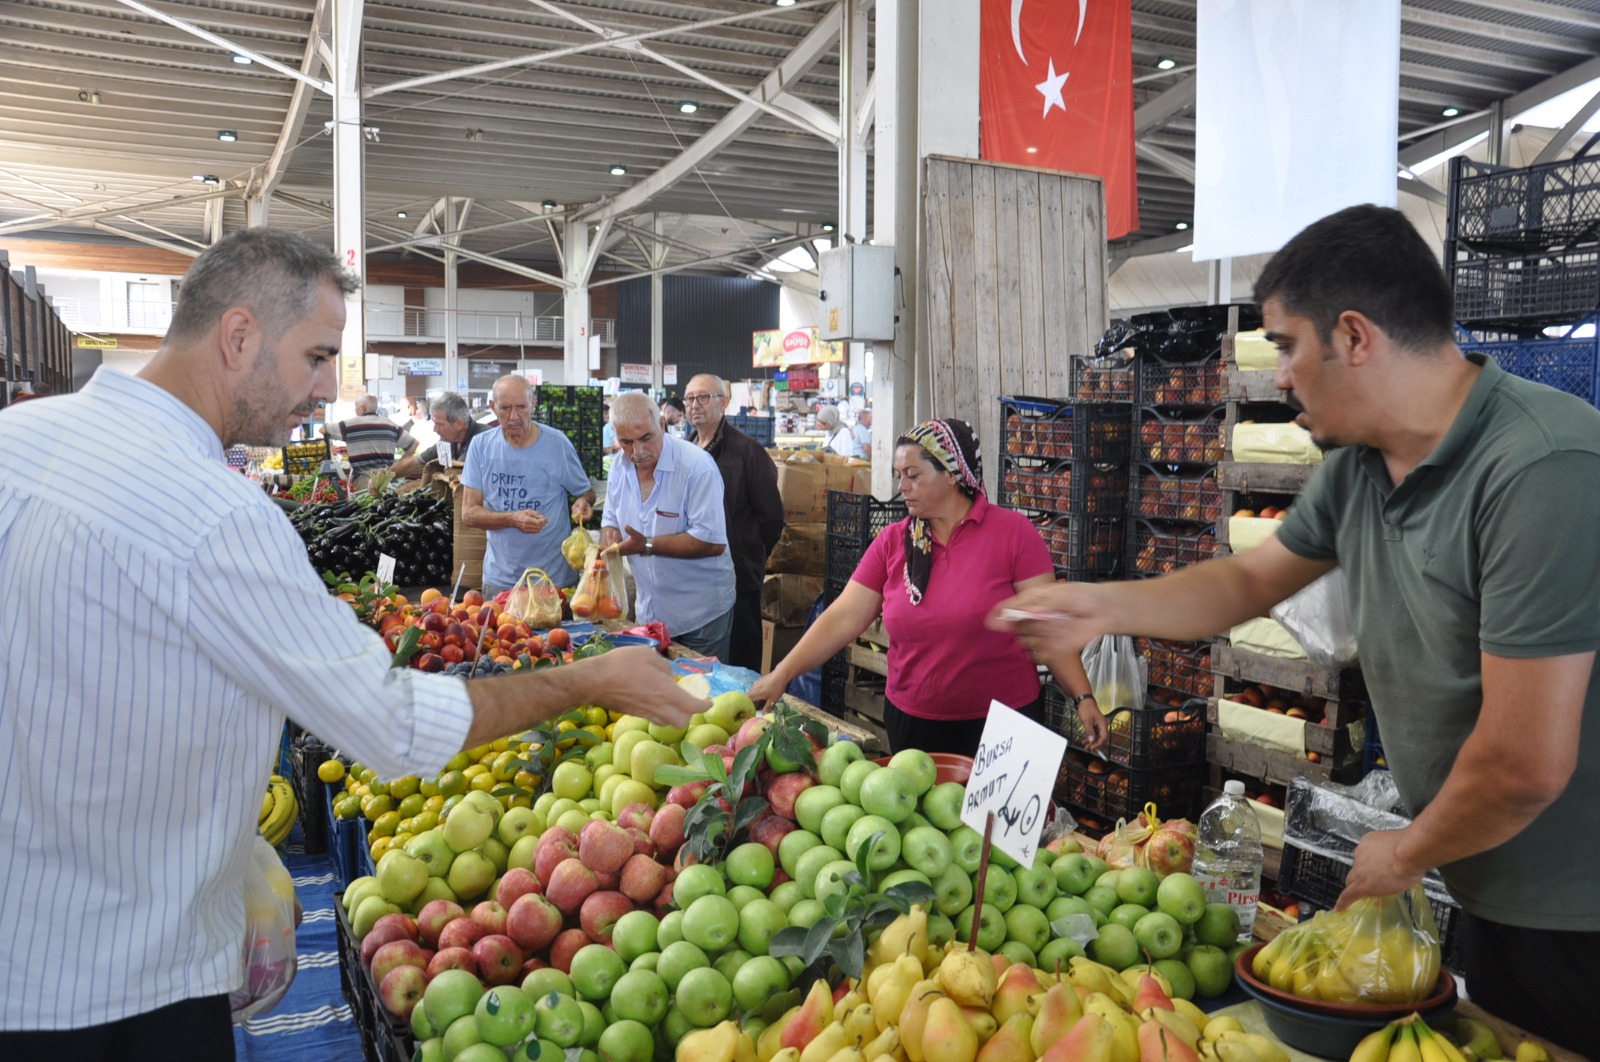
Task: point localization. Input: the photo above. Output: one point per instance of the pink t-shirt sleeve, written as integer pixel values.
(1030, 555)
(873, 571)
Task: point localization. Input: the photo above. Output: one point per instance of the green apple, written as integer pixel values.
(808, 865)
(631, 791)
(882, 837)
(1057, 955)
(518, 823)
(1099, 865)
(1102, 899)
(401, 876)
(854, 775)
(547, 979)
(560, 807)
(967, 848)
(451, 994)
(700, 879)
(573, 821)
(634, 934)
(705, 997)
(522, 853)
(543, 803)
(461, 1035)
(760, 979)
(627, 1041)
(467, 827)
(941, 930)
(1211, 968)
(830, 881)
(759, 921)
(1062, 906)
(1000, 889)
(1127, 914)
(646, 757)
(805, 913)
(1028, 925)
(833, 761)
(711, 923)
(641, 996)
(952, 891)
(918, 766)
(837, 822)
(1036, 885)
(1114, 947)
(599, 755)
(889, 792)
(470, 875)
(1108, 879)
(927, 849)
(1182, 897)
(991, 927)
(666, 735)
(786, 895)
(942, 805)
(368, 911)
(647, 961)
(506, 1015)
(795, 844)
(1017, 951)
(1218, 926)
(497, 853)
(670, 930)
(900, 877)
(435, 889)
(1072, 874)
(595, 971)
(744, 894)
(484, 802)
(1178, 975)
(623, 744)
(421, 1027)
(1138, 885)
(730, 709)
(559, 1019)
(706, 735)
(815, 802)
(677, 960)
(1159, 935)
(357, 890)
(750, 864)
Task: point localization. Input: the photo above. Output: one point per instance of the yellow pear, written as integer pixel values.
(914, 1018)
(968, 977)
(1059, 1011)
(1019, 992)
(849, 1054)
(885, 1043)
(907, 934)
(861, 1021)
(769, 1043)
(1086, 973)
(829, 1042)
(745, 1050)
(815, 1015)
(947, 1036)
(716, 1044)
(1192, 1012)
(1185, 1029)
(1011, 1043)
(982, 1021)
(788, 1054)
(892, 996)
(850, 1000)
(875, 979)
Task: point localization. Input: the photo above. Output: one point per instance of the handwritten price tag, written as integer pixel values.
(1013, 775)
(446, 453)
(385, 568)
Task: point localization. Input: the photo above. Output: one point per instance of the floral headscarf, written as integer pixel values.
(953, 447)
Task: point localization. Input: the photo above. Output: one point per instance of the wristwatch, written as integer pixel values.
(1079, 698)
(650, 546)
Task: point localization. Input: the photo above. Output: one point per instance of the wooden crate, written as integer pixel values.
(1333, 684)
(1329, 742)
(1247, 477)
(1239, 757)
(1249, 385)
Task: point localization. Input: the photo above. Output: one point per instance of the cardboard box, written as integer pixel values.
(470, 542)
(802, 549)
(806, 477)
(786, 599)
(776, 642)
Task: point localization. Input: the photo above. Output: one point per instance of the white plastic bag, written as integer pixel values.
(268, 960)
(1319, 619)
(1116, 673)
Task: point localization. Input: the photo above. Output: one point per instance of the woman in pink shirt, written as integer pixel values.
(933, 577)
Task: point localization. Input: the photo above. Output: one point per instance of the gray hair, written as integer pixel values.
(274, 274)
(367, 404)
(452, 405)
(718, 385)
(635, 407)
(828, 416)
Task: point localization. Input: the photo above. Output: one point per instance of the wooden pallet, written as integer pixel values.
(1269, 765)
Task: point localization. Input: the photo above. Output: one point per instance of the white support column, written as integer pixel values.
(349, 200)
(575, 302)
(1219, 281)
(851, 218)
(455, 219)
(657, 354)
(257, 209)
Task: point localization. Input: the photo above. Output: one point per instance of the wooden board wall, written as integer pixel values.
(1013, 283)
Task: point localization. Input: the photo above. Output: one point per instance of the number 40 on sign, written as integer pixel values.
(1013, 775)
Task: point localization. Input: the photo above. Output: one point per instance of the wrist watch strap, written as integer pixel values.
(650, 546)
(1079, 698)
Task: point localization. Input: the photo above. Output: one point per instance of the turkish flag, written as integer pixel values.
(1056, 90)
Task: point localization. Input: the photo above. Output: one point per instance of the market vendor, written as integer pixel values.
(454, 424)
(138, 732)
(524, 485)
(664, 513)
(933, 577)
(1461, 504)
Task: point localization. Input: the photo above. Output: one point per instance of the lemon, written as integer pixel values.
(525, 779)
(375, 805)
(434, 803)
(347, 808)
(428, 787)
(458, 761)
(596, 716)
(473, 770)
(452, 783)
(330, 771)
(517, 800)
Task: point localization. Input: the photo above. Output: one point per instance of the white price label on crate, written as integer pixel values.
(385, 568)
(1013, 775)
(446, 453)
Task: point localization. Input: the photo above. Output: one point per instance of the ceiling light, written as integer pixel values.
(784, 3)
(549, 204)
(1181, 226)
(1166, 62)
(243, 60)
(399, 213)
(207, 178)
(617, 169)
(688, 107)
(827, 227)
(1450, 112)
(227, 136)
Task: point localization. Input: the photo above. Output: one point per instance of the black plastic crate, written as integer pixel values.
(1317, 880)
(1111, 378)
(761, 429)
(854, 520)
(355, 984)
(1570, 365)
(1526, 208)
(1175, 437)
(1084, 548)
(1059, 431)
(1181, 383)
(1163, 492)
(1525, 291)
(1177, 672)
(1140, 739)
(1117, 792)
(1080, 487)
(835, 679)
(1157, 548)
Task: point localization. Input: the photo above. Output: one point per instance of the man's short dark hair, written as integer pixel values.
(1369, 259)
(275, 274)
(453, 406)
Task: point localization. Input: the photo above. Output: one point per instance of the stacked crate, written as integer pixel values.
(853, 681)
(1523, 255)
(578, 412)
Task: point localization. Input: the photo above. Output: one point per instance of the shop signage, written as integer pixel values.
(425, 367)
(634, 373)
(779, 349)
(95, 343)
(1013, 775)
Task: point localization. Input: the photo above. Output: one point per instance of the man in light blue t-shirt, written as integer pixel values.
(516, 486)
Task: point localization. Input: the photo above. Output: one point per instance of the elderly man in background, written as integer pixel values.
(863, 432)
(370, 440)
(664, 512)
(751, 506)
(516, 486)
(452, 420)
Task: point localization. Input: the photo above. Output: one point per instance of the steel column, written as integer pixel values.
(349, 200)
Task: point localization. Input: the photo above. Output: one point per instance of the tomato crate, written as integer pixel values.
(1156, 548)
(1061, 431)
(1179, 438)
(1161, 492)
(1090, 783)
(1140, 739)
(1177, 671)
(1109, 378)
(1084, 548)
(1164, 383)
(1064, 486)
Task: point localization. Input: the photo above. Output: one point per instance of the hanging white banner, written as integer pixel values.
(1297, 108)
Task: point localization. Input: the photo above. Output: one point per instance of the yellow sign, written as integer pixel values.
(94, 343)
(777, 349)
(352, 377)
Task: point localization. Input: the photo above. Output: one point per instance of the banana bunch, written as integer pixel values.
(1411, 1040)
(279, 809)
(1367, 954)
(1223, 1039)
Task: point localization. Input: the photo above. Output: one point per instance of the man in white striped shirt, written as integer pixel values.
(162, 620)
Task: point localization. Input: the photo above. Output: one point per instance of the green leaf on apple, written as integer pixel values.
(789, 941)
(817, 938)
(747, 812)
(903, 895)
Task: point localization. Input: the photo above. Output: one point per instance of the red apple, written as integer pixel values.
(555, 845)
(642, 845)
(516, 882)
(770, 830)
(377, 938)
(404, 921)
(533, 922)
(600, 912)
(402, 989)
(608, 879)
(666, 829)
(529, 966)
(663, 901)
(750, 732)
(490, 915)
(567, 944)
(452, 959)
(499, 959)
(433, 917)
(635, 817)
(686, 795)
(604, 846)
(642, 879)
(461, 933)
(398, 953)
(570, 884)
(1170, 849)
(785, 790)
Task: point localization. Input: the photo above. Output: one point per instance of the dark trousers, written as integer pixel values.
(195, 1030)
(1541, 980)
(958, 736)
(744, 639)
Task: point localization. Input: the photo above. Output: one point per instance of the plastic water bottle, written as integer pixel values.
(1227, 855)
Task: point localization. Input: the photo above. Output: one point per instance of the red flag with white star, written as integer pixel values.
(1056, 90)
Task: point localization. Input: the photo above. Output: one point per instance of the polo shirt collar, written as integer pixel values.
(668, 461)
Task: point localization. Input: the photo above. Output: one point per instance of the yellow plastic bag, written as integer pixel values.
(1378, 950)
(536, 600)
(600, 594)
(268, 959)
(575, 548)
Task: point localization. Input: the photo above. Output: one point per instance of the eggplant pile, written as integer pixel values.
(348, 536)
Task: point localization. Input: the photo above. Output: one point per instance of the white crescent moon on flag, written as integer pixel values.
(1016, 26)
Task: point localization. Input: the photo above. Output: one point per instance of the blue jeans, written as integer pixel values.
(710, 639)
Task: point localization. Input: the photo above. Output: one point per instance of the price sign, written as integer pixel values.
(446, 453)
(385, 568)
(1013, 775)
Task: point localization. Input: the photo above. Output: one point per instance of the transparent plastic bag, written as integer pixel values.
(1116, 673)
(536, 600)
(1123, 847)
(575, 547)
(600, 594)
(268, 961)
(1318, 617)
(1378, 950)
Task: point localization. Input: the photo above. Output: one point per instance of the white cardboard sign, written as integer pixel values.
(1013, 775)
(385, 568)
(446, 454)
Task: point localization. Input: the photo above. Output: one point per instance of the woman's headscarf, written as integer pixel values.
(953, 447)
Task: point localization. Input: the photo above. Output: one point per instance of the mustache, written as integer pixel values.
(1292, 400)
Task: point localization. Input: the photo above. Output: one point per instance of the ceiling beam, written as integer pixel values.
(1414, 185)
(294, 117)
(1570, 16)
(1559, 142)
(811, 48)
(225, 44)
(137, 237)
(1177, 241)
(1447, 140)
(1167, 160)
(1154, 112)
(781, 245)
(96, 211)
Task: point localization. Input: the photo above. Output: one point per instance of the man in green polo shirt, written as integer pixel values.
(1462, 504)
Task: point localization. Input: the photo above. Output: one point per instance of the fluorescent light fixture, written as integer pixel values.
(1033, 151)
(243, 60)
(1450, 112)
(1166, 62)
(207, 178)
(548, 204)
(617, 169)
(399, 213)
(1181, 226)
(784, 3)
(827, 226)
(227, 136)
(687, 106)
